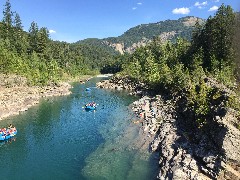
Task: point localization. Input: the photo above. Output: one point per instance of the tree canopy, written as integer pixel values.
(183, 67)
(34, 55)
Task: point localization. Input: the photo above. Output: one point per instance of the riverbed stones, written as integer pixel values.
(120, 83)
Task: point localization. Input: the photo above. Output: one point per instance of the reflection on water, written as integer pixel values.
(9, 141)
(58, 139)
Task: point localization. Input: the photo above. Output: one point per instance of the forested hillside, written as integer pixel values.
(34, 55)
(98, 43)
(184, 67)
(182, 28)
(144, 33)
(199, 80)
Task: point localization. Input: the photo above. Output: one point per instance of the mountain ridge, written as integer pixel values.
(142, 34)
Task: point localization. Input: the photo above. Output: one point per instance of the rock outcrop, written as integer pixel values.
(185, 152)
(117, 46)
(124, 83)
(191, 21)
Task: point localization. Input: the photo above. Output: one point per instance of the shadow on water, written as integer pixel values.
(58, 139)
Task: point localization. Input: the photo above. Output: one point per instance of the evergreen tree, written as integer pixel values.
(42, 40)
(236, 45)
(224, 29)
(196, 32)
(7, 21)
(19, 40)
(33, 37)
(17, 22)
(7, 14)
(207, 42)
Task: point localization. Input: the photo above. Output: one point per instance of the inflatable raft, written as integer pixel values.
(90, 106)
(7, 133)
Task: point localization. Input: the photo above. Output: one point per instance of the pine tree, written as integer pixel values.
(236, 45)
(19, 40)
(207, 42)
(7, 14)
(17, 22)
(223, 31)
(196, 32)
(33, 37)
(7, 21)
(43, 38)
(196, 41)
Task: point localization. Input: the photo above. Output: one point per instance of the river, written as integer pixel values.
(58, 139)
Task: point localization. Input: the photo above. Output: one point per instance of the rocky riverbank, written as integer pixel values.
(17, 96)
(184, 152)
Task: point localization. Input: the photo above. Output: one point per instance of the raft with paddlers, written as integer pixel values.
(7, 133)
(91, 106)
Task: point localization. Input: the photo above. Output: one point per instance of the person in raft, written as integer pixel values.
(4, 131)
(10, 126)
(92, 104)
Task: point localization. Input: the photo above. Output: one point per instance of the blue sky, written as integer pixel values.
(73, 20)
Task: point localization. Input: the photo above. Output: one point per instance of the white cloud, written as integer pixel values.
(216, 0)
(214, 8)
(139, 3)
(200, 5)
(181, 11)
(52, 31)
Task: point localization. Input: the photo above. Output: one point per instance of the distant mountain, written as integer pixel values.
(144, 33)
(99, 43)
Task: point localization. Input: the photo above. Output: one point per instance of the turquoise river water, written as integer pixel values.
(58, 139)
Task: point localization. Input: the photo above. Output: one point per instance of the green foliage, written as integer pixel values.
(226, 76)
(42, 40)
(181, 78)
(7, 14)
(236, 46)
(113, 66)
(233, 102)
(176, 67)
(199, 101)
(33, 37)
(42, 60)
(215, 40)
(182, 67)
(17, 22)
(97, 43)
(145, 33)
(133, 68)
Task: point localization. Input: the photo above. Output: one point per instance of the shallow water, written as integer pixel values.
(58, 139)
